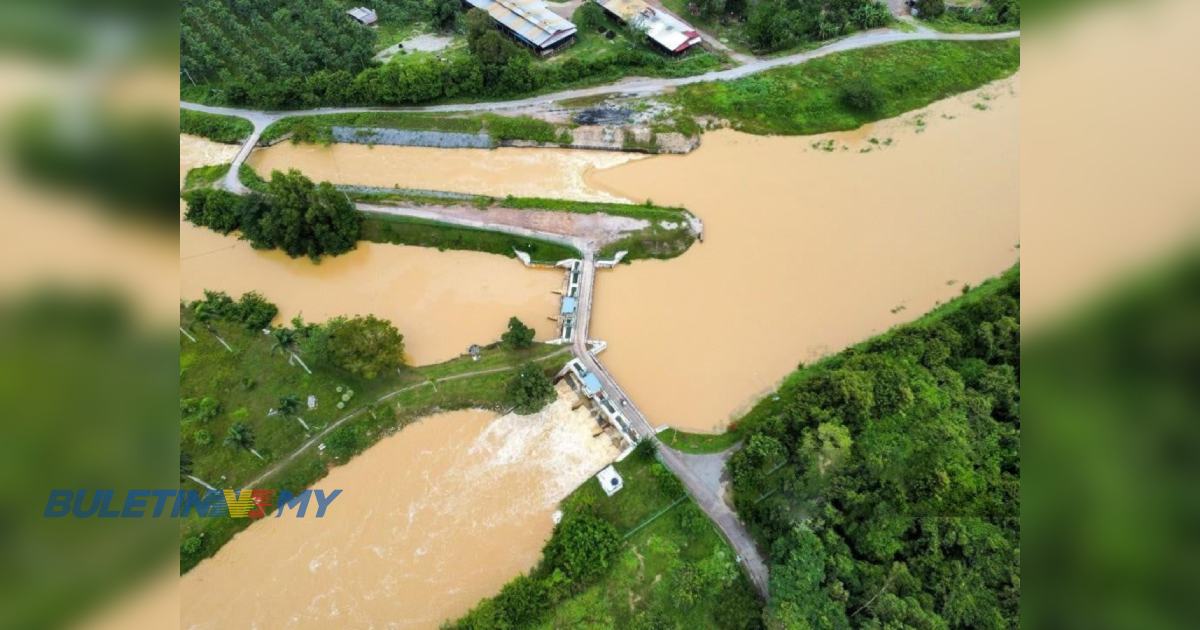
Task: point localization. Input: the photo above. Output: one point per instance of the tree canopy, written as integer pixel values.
(364, 346)
(518, 336)
(530, 389)
(295, 215)
(885, 479)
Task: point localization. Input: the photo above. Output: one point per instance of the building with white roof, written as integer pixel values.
(530, 21)
(664, 29)
(610, 480)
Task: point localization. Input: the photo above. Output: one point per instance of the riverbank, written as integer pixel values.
(243, 383)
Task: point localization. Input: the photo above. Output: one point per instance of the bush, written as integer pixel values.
(190, 545)
(861, 95)
(929, 9)
(530, 389)
(364, 346)
(519, 336)
(582, 547)
(255, 312)
(343, 443)
(202, 437)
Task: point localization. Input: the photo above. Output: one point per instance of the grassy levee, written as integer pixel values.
(318, 129)
(386, 228)
(671, 566)
(770, 406)
(215, 127)
(252, 378)
(699, 443)
(810, 98)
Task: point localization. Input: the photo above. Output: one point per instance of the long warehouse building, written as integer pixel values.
(531, 22)
(664, 29)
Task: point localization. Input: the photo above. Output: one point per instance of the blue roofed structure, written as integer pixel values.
(591, 384)
(569, 304)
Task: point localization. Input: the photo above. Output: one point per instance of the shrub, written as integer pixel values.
(929, 9)
(364, 346)
(202, 437)
(861, 95)
(582, 547)
(519, 336)
(190, 545)
(254, 311)
(530, 389)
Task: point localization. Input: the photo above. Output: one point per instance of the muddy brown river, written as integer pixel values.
(806, 250)
(430, 520)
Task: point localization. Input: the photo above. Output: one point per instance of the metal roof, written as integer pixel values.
(568, 306)
(665, 29)
(591, 384)
(530, 20)
(363, 14)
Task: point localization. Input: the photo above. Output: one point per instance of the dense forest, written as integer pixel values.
(884, 480)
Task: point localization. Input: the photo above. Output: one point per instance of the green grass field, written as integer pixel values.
(807, 99)
(252, 378)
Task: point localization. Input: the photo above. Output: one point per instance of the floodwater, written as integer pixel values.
(498, 172)
(441, 302)
(430, 520)
(806, 251)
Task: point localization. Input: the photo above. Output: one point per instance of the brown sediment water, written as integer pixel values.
(430, 520)
(499, 172)
(442, 302)
(806, 251)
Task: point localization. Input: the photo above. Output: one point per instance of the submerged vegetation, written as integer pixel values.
(293, 214)
(226, 129)
(848, 89)
(646, 557)
(244, 398)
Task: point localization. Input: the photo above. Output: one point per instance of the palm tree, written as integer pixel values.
(185, 465)
(202, 314)
(284, 338)
(240, 436)
(289, 405)
(185, 470)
